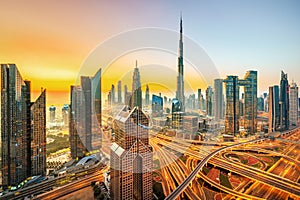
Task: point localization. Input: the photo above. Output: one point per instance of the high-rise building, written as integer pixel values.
(65, 114)
(113, 97)
(293, 98)
(52, 110)
(157, 106)
(247, 107)
(209, 101)
(250, 101)
(131, 156)
(125, 95)
(180, 77)
(38, 134)
(119, 92)
(274, 110)
(22, 123)
(260, 104)
(76, 145)
(177, 114)
(147, 97)
(85, 116)
(284, 102)
(136, 98)
(199, 98)
(218, 99)
(232, 105)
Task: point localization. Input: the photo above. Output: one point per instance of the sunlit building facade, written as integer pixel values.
(218, 99)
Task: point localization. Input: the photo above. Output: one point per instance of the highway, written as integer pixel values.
(49, 184)
(270, 179)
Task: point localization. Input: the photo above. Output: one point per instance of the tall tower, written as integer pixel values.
(209, 101)
(52, 110)
(131, 156)
(293, 104)
(219, 99)
(22, 123)
(274, 112)
(119, 92)
(38, 133)
(250, 104)
(284, 102)
(113, 100)
(136, 98)
(180, 77)
(147, 97)
(232, 105)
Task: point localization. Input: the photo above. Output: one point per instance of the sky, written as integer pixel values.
(51, 41)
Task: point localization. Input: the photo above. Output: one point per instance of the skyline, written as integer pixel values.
(234, 35)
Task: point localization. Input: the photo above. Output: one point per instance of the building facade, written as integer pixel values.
(209, 101)
(284, 102)
(136, 97)
(131, 156)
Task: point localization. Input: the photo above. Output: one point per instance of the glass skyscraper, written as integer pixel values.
(22, 124)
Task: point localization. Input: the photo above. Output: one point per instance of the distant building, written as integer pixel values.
(209, 101)
(65, 111)
(119, 92)
(218, 99)
(260, 104)
(136, 97)
(23, 129)
(157, 106)
(52, 110)
(147, 97)
(274, 110)
(177, 114)
(190, 124)
(113, 94)
(293, 98)
(131, 156)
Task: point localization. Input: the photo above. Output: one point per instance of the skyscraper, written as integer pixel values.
(65, 111)
(209, 101)
(199, 99)
(119, 92)
(22, 121)
(38, 135)
(218, 99)
(284, 102)
(180, 77)
(157, 106)
(131, 156)
(147, 97)
(125, 95)
(274, 111)
(250, 103)
(232, 105)
(293, 112)
(52, 110)
(113, 97)
(85, 114)
(136, 98)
